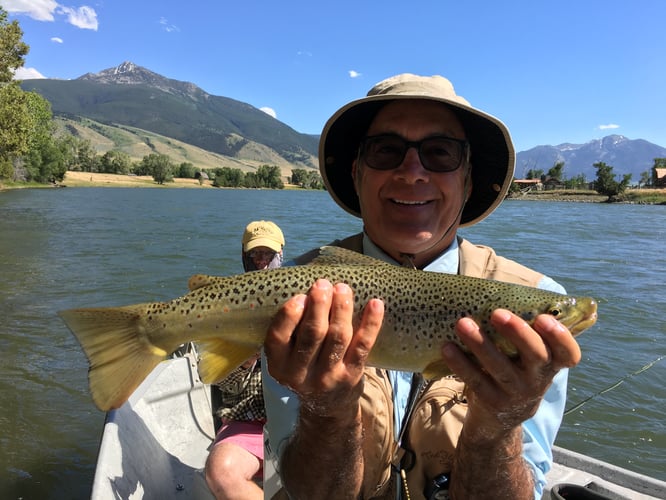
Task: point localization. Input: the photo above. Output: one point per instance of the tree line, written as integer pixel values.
(606, 183)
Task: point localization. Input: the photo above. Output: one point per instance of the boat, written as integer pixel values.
(156, 444)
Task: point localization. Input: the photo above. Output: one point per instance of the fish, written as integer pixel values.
(228, 317)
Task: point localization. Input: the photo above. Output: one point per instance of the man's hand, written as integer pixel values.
(505, 392)
(502, 394)
(314, 348)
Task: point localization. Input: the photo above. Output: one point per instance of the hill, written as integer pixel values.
(132, 98)
(138, 142)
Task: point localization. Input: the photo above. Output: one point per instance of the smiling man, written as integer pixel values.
(415, 161)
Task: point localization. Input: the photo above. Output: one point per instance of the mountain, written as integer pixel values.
(626, 156)
(132, 96)
(138, 111)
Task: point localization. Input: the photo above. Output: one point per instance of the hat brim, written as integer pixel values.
(492, 154)
(263, 242)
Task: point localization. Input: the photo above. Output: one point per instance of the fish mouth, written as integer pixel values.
(589, 316)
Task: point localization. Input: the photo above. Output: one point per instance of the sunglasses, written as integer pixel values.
(437, 154)
(261, 254)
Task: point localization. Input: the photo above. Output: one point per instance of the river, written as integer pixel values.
(63, 248)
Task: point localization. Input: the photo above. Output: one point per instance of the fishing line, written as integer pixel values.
(613, 386)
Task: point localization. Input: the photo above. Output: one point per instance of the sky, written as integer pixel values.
(569, 71)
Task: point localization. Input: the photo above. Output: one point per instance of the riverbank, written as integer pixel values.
(635, 196)
(93, 179)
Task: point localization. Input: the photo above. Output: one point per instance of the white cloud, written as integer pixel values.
(40, 10)
(56, 39)
(83, 17)
(354, 74)
(269, 111)
(609, 126)
(169, 28)
(27, 74)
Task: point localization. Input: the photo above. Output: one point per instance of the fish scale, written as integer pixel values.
(229, 316)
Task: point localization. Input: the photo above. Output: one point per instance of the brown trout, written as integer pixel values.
(229, 317)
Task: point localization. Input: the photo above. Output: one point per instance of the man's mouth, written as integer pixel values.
(408, 202)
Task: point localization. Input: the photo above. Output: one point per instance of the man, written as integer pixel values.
(415, 161)
(237, 456)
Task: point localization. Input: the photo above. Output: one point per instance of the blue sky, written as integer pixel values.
(554, 72)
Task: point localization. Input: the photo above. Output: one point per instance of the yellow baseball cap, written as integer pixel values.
(263, 233)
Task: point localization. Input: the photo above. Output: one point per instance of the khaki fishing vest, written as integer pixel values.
(432, 433)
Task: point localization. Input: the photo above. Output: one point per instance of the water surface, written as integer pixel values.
(66, 248)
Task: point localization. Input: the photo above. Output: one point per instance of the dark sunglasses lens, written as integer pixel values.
(384, 153)
(440, 154)
(258, 254)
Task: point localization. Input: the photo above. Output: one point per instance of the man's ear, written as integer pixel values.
(354, 174)
(469, 184)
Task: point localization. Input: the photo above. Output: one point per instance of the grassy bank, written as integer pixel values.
(638, 196)
(88, 179)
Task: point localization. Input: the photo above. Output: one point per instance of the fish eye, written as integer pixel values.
(555, 311)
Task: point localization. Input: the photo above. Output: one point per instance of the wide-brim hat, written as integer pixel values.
(492, 153)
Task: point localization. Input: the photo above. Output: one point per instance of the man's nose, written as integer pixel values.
(411, 169)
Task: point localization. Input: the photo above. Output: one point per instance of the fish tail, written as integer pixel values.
(119, 354)
(219, 358)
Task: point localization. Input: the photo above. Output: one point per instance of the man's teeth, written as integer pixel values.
(407, 202)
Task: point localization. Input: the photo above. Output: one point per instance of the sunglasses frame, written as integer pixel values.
(463, 143)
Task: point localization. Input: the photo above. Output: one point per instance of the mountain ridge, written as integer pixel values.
(129, 95)
(626, 156)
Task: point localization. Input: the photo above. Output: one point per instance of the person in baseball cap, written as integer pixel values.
(263, 242)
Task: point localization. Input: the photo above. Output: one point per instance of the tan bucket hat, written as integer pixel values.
(492, 153)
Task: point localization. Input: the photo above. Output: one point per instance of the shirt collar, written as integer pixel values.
(446, 262)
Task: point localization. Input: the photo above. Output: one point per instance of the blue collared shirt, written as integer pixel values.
(538, 432)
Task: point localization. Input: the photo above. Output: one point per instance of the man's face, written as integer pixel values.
(408, 210)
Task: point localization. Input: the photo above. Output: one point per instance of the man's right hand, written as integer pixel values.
(314, 348)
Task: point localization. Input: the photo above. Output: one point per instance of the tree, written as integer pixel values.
(309, 179)
(269, 177)
(576, 182)
(14, 111)
(159, 166)
(186, 171)
(556, 171)
(534, 174)
(15, 120)
(606, 183)
(12, 49)
(228, 177)
(645, 179)
(115, 162)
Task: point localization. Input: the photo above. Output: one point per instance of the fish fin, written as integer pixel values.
(332, 256)
(220, 357)
(201, 280)
(436, 369)
(119, 355)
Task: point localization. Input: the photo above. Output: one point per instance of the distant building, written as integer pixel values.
(659, 177)
(528, 184)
